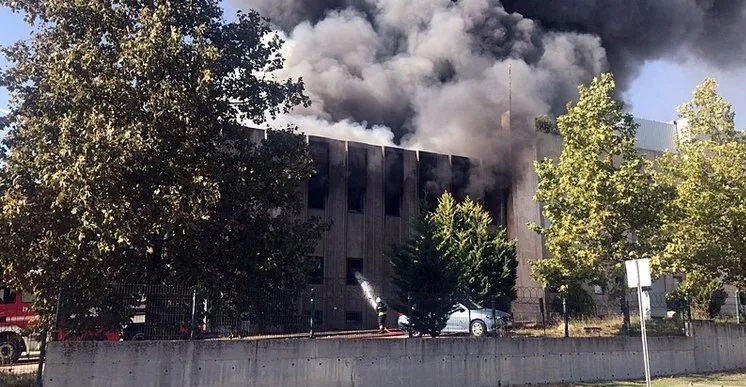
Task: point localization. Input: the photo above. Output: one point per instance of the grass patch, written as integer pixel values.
(603, 327)
(737, 379)
(8, 379)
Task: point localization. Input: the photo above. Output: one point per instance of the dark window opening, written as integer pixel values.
(316, 274)
(495, 202)
(318, 184)
(430, 182)
(357, 178)
(353, 318)
(394, 181)
(354, 265)
(460, 169)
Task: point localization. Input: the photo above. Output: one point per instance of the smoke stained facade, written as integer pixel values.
(370, 194)
(463, 78)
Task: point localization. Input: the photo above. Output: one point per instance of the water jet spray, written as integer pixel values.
(368, 291)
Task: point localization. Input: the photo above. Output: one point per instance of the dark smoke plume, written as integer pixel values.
(433, 74)
(633, 31)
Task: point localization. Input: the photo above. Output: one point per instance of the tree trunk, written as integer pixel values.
(623, 304)
(155, 301)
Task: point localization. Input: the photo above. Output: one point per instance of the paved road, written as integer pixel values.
(23, 366)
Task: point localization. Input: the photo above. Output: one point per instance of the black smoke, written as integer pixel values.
(635, 31)
(434, 73)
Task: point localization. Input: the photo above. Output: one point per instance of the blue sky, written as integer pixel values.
(660, 87)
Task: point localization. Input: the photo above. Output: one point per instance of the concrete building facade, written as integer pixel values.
(370, 194)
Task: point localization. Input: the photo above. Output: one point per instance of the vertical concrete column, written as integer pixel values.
(336, 211)
(410, 197)
(373, 258)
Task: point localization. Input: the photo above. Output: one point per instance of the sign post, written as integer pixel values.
(638, 275)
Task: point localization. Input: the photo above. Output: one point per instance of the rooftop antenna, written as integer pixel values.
(510, 89)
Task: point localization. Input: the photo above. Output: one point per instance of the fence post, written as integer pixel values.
(565, 317)
(311, 334)
(409, 314)
(738, 306)
(42, 356)
(682, 312)
(193, 323)
(688, 304)
(628, 322)
(494, 315)
(58, 313)
(543, 315)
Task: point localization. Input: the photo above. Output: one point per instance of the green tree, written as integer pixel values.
(545, 124)
(125, 161)
(600, 199)
(707, 226)
(707, 294)
(485, 257)
(426, 277)
(454, 254)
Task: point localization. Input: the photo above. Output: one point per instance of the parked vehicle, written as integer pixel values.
(15, 316)
(468, 317)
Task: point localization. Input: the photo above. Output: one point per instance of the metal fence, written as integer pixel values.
(172, 312)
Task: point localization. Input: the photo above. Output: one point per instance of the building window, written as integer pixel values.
(354, 265)
(357, 178)
(316, 274)
(318, 184)
(353, 318)
(394, 181)
(460, 169)
(495, 201)
(430, 180)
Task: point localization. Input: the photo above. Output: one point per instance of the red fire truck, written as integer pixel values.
(15, 316)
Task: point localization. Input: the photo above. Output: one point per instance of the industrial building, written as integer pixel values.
(370, 194)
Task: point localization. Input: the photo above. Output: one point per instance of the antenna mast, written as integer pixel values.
(510, 89)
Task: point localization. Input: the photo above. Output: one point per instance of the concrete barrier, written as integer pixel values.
(462, 362)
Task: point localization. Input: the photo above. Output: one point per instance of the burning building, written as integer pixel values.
(370, 194)
(410, 98)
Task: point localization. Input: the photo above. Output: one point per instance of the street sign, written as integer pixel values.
(638, 275)
(641, 265)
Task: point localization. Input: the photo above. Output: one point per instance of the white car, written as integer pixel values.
(468, 317)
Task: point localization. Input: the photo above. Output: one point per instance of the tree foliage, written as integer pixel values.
(485, 258)
(546, 125)
(125, 162)
(455, 254)
(707, 228)
(601, 203)
(426, 277)
(707, 294)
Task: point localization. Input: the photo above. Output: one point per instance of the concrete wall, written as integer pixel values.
(378, 363)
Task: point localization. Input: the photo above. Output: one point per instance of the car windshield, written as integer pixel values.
(471, 304)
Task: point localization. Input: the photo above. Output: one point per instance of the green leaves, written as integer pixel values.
(126, 162)
(484, 257)
(455, 253)
(600, 200)
(708, 174)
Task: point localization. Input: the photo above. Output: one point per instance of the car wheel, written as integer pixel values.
(10, 349)
(416, 333)
(478, 328)
(435, 334)
(138, 336)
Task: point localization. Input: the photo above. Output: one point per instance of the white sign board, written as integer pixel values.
(641, 265)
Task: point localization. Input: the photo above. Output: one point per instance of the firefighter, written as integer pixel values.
(381, 310)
